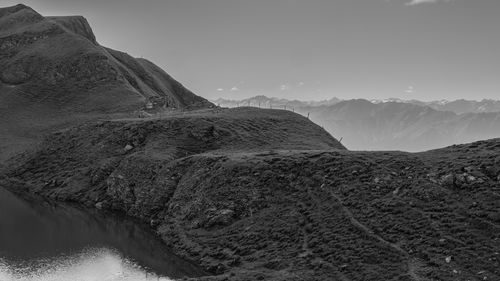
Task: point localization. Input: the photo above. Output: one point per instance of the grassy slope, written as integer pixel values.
(264, 194)
(54, 73)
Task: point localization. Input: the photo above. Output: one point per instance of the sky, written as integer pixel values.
(306, 49)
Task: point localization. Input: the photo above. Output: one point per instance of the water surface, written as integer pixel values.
(46, 241)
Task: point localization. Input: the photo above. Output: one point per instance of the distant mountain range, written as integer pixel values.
(267, 102)
(394, 124)
(456, 106)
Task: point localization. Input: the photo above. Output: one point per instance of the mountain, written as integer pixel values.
(57, 61)
(247, 193)
(393, 124)
(456, 106)
(466, 106)
(402, 126)
(260, 194)
(53, 71)
(266, 102)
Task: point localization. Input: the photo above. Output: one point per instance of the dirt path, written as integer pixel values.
(364, 228)
(412, 267)
(307, 251)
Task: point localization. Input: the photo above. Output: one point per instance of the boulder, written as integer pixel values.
(448, 180)
(219, 217)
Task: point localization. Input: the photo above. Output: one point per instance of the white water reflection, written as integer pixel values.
(91, 265)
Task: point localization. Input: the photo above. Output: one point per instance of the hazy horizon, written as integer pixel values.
(307, 50)
(349, 98)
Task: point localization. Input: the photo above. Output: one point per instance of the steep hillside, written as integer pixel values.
(266, 195)
(61, 56)
(53, 71)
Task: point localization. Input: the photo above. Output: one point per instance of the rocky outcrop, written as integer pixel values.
(76, 24)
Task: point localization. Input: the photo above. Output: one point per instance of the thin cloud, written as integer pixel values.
(410, 90)
(220, 90)
(417, 2)
(234, 89)
(284, 87)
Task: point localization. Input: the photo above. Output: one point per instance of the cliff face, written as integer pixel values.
(263, 194)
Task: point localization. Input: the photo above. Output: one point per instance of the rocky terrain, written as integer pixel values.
(254, 194)
(53, 73)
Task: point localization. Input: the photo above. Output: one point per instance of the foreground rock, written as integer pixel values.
(274, 197)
